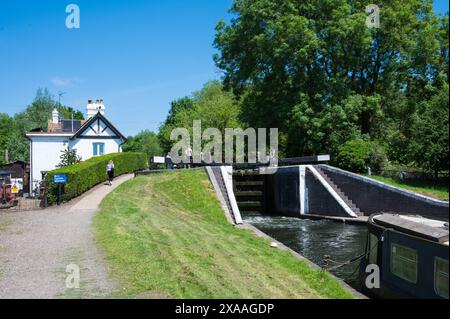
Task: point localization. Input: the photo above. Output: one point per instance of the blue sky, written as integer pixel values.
(136, 55)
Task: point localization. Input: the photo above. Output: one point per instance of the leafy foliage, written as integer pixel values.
(429, 142)
(353, 155)
(212, 105)
(145, 142)
(6, 124)
(69, 157)
(18, 147)
(35, 116)
(314, 70)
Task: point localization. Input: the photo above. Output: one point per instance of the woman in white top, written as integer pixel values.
(110, 171)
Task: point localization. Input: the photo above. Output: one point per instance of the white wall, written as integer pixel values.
(84, 146)
(46, 153)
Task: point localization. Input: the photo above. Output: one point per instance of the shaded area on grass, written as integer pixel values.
(437, 188)
(166, 236)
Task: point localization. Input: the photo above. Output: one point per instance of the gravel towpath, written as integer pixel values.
(37, 246)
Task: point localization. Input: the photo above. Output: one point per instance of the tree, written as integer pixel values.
(145, 142)
(35, 116)
(177, 106)
(353, 155)
(18, 147)
(318, 73)
(69, 157)
(430, 138)
(6, 130)
(38, 113)
(212, 105)
(66, 112)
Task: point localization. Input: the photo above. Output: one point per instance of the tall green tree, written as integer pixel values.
(429, 145)
(185, 104)
(213, 106)
(145, 142)
(35, 116)
(6, 131)
(18, 147)
(318, 73)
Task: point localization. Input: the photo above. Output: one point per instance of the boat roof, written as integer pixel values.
(434, 230)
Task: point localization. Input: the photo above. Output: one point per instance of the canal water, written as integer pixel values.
(314, 239)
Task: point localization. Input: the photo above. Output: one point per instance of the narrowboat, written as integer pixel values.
(411, 257)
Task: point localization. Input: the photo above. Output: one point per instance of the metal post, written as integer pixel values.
(59, 193)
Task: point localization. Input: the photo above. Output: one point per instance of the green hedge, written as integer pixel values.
(85, 175)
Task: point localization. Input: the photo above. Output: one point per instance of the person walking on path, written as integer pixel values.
(188, 157)
(110, 171)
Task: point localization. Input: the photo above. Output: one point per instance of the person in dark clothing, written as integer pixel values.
(110, 171)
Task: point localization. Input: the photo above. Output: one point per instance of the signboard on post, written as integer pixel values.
(14, 189)
(60, 179)
(158, 160)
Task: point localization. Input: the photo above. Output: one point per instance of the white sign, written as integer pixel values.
(159, 160)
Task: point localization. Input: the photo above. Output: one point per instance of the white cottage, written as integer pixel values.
(94, 136)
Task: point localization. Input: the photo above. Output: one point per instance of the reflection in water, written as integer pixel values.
(315, 239)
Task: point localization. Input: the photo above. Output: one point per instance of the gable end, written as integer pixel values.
(93, 124)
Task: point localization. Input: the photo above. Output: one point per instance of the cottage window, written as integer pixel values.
(98, 149)
(404, 262)
(441, 277)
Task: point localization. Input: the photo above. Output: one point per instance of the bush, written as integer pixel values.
(357, 155)
(377, 158)
(85, 175)
(353, 155)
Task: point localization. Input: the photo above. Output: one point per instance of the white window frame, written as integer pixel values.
(96, 146)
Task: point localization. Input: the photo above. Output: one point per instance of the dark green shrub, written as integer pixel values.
(357, 155)
(353, 156)
(377, 158)
(85, 175)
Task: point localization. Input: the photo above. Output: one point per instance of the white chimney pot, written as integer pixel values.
(55, 116)
(93, 108)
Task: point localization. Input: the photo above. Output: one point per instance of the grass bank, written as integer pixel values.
(433, 188)
(166, 236)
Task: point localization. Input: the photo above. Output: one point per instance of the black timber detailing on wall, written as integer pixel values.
(283, 192)
(374, 197)
(249, 190)
(340, 193)
(221, 183)
(319, 199)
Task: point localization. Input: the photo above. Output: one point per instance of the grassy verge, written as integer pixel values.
(167, 237)
(433, 188)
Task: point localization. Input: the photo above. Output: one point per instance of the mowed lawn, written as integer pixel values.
(166, 236)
